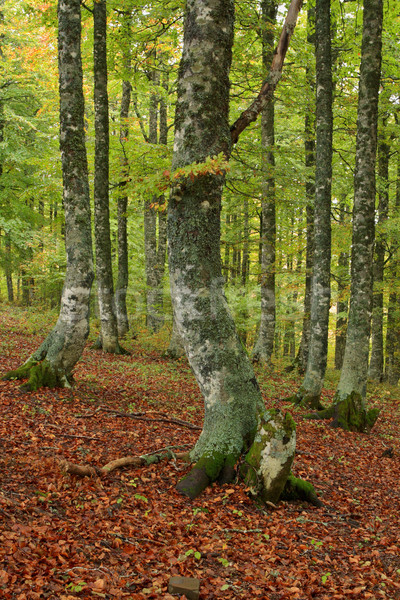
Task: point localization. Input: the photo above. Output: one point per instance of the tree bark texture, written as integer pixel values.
(310, 391)
(220, 364)
(351, 390)
(264, 345)
(376, 362)
(53, 362)
(105, 286)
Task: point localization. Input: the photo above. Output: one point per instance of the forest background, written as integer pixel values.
(146, 54)
(140, 531)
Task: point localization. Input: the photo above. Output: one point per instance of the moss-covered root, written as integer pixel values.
(326, 413)
(118, 349)
(298, 489)
(205, 471)
(349, 414)
(38, 374)
(302, 398)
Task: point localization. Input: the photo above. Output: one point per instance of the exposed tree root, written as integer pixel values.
(207, 470)
(119, 463)
(38, 374)
(302, 398)
(349, 414)
(118, 350)
(299, 489)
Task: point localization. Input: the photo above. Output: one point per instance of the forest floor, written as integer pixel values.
(125, 535)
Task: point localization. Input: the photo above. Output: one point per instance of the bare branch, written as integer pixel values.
(251, 113)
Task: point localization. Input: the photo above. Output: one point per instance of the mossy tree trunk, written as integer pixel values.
(310, 390)
(108, 338)
(349, 408)
(232, 397)
(264, 345)
(53, 362)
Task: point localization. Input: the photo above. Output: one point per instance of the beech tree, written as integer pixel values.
(53, 362)
(349, 410)
(108, 338)
(265, 341)
(310, 391)
(233, 402)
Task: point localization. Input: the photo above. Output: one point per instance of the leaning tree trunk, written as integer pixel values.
(349, 410)
(52, 364)
(232, 397)
(310, 391)
(376, 362)
(108, 339)
(264, 345)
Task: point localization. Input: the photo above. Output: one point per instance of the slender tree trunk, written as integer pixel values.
(309, 155)
(349, 409)
(7, 238)
(392, 362)
(376, 363)
(8, 268)
(310, 391)
(123, 271)
(105, 287)
(342, 303)
(264, 345)
(155, 238)
(53, 362)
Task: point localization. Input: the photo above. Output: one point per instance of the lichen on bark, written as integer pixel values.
(53, 362)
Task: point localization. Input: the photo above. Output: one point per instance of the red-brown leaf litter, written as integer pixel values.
(126, 534)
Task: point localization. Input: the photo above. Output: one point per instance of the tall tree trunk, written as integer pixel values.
(342, 303)
(349, 410)
(155, 239)
(108, 339)
(122, 206)
(309, 156)
(392, 355)
(376, 363)
(7, 238)
(264, 345)
(310, 391)
(232, 397)
(53, 362)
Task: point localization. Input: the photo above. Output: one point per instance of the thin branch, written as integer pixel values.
(251, 113)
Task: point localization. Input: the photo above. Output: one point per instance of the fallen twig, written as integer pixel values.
(126, 461)
(140, 417)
